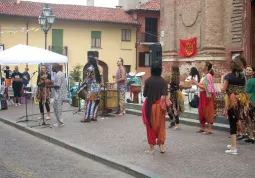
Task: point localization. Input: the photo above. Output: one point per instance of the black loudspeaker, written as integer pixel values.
(93, 54)
(156, 53)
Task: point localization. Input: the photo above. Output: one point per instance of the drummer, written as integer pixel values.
(121, 84)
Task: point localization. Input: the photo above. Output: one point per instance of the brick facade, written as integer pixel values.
(218, 26)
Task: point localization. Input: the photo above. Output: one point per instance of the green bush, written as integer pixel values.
(75, 74)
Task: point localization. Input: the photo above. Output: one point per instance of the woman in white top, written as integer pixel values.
(193, 75)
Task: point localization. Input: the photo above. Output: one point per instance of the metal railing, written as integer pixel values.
(59, 49)
(149, 37)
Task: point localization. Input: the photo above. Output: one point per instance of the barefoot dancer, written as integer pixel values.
(154, 108)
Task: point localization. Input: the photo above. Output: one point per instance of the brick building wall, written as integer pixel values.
(218, 26)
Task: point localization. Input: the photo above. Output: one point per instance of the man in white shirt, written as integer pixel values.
(60, 95)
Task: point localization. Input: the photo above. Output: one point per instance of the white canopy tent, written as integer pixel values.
(23, 54)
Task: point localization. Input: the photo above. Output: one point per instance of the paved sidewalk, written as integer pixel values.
(123, 139)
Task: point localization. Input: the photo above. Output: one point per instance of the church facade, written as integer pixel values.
(222, 28)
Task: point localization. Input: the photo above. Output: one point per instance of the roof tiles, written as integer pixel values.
(67, 12)
(153, 5)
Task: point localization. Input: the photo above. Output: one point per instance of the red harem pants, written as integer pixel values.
(205, 109)
(156, 133)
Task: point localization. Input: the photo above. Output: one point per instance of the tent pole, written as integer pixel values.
(67, 76)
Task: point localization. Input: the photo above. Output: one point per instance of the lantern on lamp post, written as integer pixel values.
(46, 20)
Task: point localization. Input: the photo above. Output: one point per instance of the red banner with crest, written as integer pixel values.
(188, 48)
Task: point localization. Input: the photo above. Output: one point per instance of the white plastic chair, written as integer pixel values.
(10, 92)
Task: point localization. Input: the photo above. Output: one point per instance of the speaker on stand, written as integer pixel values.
(156, 53)
(93, 54)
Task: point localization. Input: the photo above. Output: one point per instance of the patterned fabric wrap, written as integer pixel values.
(177, 106)
(176, 96)
(92, 86)
(219, 104)
(238, 100)
(209, 86)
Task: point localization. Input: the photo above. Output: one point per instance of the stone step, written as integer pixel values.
(189, 117)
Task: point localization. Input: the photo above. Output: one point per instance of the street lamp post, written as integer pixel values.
(46, 20)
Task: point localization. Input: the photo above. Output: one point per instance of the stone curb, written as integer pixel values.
(106, 160)
(186, 121)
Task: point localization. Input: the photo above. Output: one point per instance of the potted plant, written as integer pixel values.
(75, 75)
(75, 79)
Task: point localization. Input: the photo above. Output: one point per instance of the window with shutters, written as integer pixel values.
(96, 39)
(144, 59)
(125, 35)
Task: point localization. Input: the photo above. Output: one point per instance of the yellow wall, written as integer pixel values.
(77, 37)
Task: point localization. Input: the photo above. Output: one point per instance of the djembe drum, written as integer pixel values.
(136, 89)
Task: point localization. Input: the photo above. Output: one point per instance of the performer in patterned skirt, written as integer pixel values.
(92, 82)
(236, 101)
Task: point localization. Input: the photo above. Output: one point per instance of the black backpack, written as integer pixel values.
(194, 102)
(4, 104)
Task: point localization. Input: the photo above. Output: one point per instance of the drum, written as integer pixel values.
(82, 92)
(75, 101)
(109, 99)
(111, 86)
(136, 89)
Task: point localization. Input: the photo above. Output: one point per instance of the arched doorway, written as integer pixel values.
(103, 65)
(105, 68)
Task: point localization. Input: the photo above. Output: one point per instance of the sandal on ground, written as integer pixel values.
(85, 120)
(208, 133)
(177, 128)
(201, 131)
(162, 149)
(149, 152)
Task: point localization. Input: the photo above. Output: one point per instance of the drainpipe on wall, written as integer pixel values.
(136, 50)
(0, 35)
(138, 28)
(27, 32)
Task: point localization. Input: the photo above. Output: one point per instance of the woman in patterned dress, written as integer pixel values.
(176, 97)
(92, 82)
(43, 93)
(250, 90)
(236, 101)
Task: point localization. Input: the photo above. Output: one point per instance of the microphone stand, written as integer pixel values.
(26, 96)
(43, 120)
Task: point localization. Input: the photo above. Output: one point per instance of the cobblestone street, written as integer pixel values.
(188, 154)
(24, 156)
